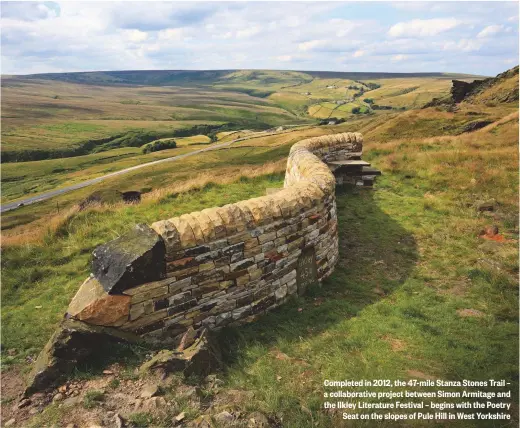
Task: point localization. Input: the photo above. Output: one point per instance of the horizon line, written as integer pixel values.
(244, 69)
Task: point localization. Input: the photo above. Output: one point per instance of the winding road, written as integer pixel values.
(47, 195)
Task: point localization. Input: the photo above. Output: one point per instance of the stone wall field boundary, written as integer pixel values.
(223, 265)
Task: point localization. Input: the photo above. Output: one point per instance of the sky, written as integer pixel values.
(461, 37)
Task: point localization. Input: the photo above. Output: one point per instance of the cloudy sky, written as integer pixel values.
(466, 37)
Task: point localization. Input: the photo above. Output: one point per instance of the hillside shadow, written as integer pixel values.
(376, 257)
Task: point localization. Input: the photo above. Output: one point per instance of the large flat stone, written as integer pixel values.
(130, 260)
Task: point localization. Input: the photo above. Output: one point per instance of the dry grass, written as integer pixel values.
(36, 231)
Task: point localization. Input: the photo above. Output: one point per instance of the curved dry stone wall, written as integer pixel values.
(226, 265)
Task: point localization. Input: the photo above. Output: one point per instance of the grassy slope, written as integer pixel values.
(410, 259)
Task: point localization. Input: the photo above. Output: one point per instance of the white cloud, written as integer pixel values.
(359, 53)
(423, 27)
(135, 35)
(171, 34)
(248, 32)
(490, 30)
(399, 57)
(463, 45)
(311, 45)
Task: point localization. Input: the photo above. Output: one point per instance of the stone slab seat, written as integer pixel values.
(349, 163)
(370, 171)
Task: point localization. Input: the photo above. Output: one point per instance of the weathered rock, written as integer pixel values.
(154, 403)
(224, 418)
(118, 421)
(10, 423)
(203, 356)
(461, 89)
(257, 420)
(188, 339)
(130, 260)
(150, 390)
(199, 359)
(71, 401)
(203, 421)
(478, 124)
(94, 305)
(165, 361)
(180, 417)
(24, 403)
(71, 343)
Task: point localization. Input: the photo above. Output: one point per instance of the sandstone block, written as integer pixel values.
(242, 280)
(218, 225)
(267, 237)
(185, 232)
(228, 220)
(170, 235)
(281, 292)
(192, 220)
(93, 305)
(153, 293)
(206, 225)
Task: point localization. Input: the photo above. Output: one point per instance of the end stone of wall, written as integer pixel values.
(132, 259)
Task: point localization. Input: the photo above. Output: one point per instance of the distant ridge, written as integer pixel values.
(208, 77)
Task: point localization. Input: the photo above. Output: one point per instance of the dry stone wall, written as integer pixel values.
(225, 265)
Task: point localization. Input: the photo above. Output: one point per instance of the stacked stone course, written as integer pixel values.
(227, 265)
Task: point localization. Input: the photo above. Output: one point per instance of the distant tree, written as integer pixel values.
(157, 146)
(369, 100)
(373, 86)
(356, 110)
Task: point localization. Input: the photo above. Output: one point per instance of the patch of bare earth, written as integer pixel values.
(416, 374)
(396, 344)
(465, 313)
(168, 400)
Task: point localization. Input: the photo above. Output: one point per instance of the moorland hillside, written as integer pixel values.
(425, 286)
